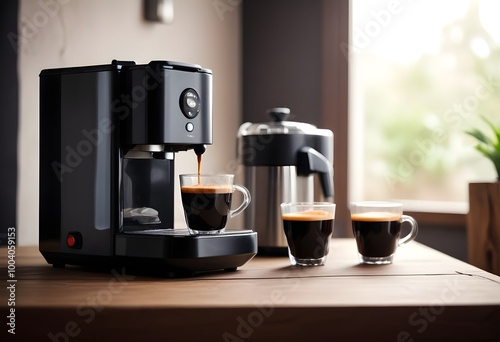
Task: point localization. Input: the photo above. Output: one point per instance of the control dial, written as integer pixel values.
(190, 103)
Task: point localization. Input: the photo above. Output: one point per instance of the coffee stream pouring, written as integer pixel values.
(280, 159)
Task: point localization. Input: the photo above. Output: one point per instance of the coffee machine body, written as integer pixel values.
(108, 139)
(281, 159)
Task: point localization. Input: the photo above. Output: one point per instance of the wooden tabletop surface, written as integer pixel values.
(424, 295)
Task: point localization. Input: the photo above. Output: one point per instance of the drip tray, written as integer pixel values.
(178, 251)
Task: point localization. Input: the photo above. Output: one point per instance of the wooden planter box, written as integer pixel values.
(483, 226)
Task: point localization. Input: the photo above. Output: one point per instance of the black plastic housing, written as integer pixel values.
(158, 87)
(79, 159)
(281, 149)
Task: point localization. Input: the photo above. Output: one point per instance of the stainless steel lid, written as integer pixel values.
(279, 125)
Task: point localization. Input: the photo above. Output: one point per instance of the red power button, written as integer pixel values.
(71, 240)
(74, 240)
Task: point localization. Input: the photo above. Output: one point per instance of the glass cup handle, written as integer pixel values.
(414, 229)
(246, 200)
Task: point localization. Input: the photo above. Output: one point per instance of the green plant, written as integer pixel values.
(490, 147)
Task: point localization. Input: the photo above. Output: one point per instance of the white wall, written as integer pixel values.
(59, 33)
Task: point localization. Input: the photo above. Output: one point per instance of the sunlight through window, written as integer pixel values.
(421, 74)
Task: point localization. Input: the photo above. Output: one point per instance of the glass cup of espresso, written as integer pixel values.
(206, 200)
(377, 228)
(308, 228)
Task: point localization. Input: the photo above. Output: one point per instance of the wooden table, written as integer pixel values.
(423, 296)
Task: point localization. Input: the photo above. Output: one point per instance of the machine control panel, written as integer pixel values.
(190, 103)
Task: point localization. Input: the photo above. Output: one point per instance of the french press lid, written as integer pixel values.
(277, 125)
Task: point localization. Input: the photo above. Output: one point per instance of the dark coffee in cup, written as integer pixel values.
(376, 233)
(206, 206)
(308, 233)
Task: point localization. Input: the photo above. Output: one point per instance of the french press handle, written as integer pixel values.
(311, 161)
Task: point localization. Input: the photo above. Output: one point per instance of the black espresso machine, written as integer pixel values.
(108, 136)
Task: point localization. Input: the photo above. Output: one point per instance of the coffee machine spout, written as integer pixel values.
(199, 149)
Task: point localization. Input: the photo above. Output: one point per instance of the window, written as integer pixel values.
(421, 74)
